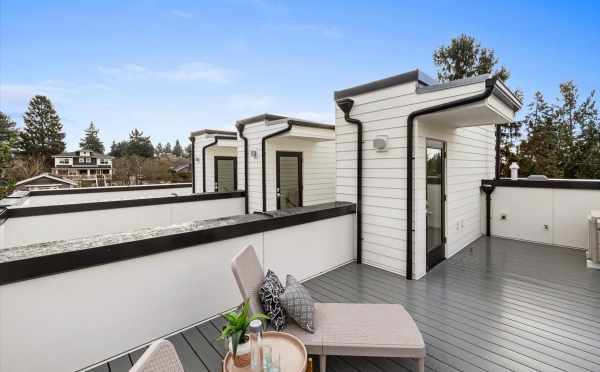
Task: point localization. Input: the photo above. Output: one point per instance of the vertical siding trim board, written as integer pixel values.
(216, 139)
(489, 88)
(346, 105)
(240, 128)
(193, 140)
(263, 159)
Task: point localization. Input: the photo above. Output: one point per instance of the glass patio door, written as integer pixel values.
(289, 179)
(435, 202)
(225, 173)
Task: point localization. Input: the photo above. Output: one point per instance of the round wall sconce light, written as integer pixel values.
(380, 143)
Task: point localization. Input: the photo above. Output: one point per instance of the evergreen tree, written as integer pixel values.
(168, 149)
(159, 149)
(177, 150)
(139, 144)
(539, 153)
(91, 141)
(8, 138)
(118, 149)
(42, 135)
(465, 57)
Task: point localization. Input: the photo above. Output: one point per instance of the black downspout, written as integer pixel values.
(498, 139)
(346, 105)
(193, 140)
(240, 128)
(216, 139)
(488, 189)
(263, 158)
(489, 88)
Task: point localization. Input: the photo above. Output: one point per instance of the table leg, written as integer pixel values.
(421, 365)
(322, 361)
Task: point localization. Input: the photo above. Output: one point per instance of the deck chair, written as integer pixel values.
(159, 357)
(371, 335)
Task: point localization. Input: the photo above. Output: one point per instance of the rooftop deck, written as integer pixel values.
(497, 305)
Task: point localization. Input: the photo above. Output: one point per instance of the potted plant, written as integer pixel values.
(235, 333)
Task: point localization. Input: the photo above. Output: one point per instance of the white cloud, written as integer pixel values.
(181, 13)
(195, 71)
(15, 97)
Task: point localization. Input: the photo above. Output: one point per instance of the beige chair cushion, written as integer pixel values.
(362, 330)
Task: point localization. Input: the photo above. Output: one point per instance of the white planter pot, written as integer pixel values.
(242, 357)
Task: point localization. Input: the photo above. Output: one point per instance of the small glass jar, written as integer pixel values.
(255, 333)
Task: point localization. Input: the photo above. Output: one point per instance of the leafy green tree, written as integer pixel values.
(139, 144)
(91, 140)
(177, 149)
(118, 149)
(42, 135)
(8, 138)
(168, 149)
(465, 57)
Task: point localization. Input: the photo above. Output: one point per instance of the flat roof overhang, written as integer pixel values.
(306, 130)
(233, 142)
(499, 108)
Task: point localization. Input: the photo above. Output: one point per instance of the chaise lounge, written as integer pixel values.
(370, 333)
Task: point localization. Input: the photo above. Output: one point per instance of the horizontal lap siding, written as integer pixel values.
(470, 158)
(385, 112)
(318, 166)
(211, 152)
(318, 169)
(199, 143)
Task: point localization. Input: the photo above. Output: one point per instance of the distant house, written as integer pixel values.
(44, 181)
(83, 165)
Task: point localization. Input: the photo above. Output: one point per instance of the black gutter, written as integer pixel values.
(193, 140)
(264, 171)
(488, 189)
(39, 265)
(240, 128)
(216, 139)
(489, 88)
(498, 139)
(571, 184)
(89, 190)
(345, 105)
(115, 204)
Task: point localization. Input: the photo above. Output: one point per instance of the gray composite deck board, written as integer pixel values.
(497, 305)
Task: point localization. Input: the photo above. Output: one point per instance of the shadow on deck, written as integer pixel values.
(497, 305)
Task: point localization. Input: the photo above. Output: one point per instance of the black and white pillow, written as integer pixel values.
(298, 303)
(269, 292)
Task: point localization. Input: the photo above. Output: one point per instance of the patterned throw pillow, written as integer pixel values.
(269, 292)
(298, 303)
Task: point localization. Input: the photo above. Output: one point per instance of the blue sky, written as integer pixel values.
(169, 67)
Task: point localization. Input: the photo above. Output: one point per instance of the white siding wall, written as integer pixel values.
(318, 166)
(470, 153)
(199, 143)
(211, 152)
(551, 216)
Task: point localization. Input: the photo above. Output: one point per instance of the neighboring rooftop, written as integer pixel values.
(213, 131)
(76, 153)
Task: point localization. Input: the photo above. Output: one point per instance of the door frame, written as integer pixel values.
(216, 171)
(291, 154)
(439, 254)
